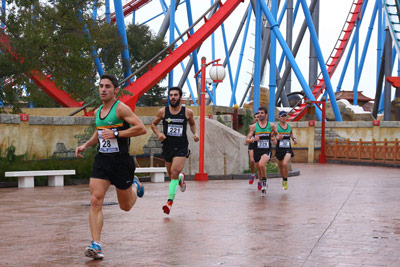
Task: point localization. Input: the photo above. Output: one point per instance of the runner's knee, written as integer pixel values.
(126, 206)
(96, 201)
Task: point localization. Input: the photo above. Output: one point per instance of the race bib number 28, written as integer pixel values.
(107, 145)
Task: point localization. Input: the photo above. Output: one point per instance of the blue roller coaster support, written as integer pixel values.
(246, 30)
(190, 22)
(3, 10)
(165, 8)
(296, 9)
(366, 44)
(94, 13)
(108, 12)
(272, 69)
(227, 58)
(119, 15)
(289, 55)
(321, 61)
(388, 72)
(357, 38)
(171, 38)
(381, 37)
(95, 56)
(257, 57)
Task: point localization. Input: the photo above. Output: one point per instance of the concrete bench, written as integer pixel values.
(157, 174)
(26, 178)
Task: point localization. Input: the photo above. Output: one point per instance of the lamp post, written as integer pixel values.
(217, 74)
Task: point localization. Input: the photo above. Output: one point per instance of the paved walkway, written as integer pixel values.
(332, 215)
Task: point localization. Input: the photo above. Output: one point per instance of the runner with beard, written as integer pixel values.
(174, 139)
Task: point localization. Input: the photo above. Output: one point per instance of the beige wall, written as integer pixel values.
(39, 136)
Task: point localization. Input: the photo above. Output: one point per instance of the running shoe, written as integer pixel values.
(259, 186)
(263, 191)
(140, 188)
(94, 251)
(252, 177)
(264, 188)
(285, 184)
(167, 207)
(182, 183)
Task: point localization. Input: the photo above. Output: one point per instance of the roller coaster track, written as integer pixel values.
(392, 12)
(156, 73)
(333, 61)
(130, 7)
(39, 78)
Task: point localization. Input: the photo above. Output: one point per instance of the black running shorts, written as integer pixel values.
(169, 153)
(259, 153)
(280, 153)
(119, 169)
(252, 146)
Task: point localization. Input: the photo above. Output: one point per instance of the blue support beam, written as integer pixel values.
(321, 60)
(366, 44)
(272, 68)
(227, 58)
(246, 30)
(171, 38)
(257, 58)
(190, 22)
(108, 12)
(274, 27)
(119, 15)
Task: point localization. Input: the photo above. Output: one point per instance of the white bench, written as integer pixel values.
(157, 174)
(26, 178)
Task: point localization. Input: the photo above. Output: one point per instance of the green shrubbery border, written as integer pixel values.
(9, 161)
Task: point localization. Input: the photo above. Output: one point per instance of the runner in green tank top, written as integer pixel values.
(115, 123)
(263, 130)
(283, 148)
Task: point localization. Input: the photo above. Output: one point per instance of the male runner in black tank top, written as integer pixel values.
(174, 139)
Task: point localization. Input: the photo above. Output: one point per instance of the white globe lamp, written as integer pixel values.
(217, 73)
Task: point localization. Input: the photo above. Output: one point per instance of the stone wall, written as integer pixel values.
(41, 137)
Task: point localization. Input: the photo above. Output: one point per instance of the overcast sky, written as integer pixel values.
(332, 18)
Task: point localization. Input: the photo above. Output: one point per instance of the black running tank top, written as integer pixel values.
(174, 128)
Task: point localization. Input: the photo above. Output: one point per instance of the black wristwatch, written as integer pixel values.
(116, 134)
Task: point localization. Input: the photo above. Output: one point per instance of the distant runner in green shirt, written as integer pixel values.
(283, 147)
(263, 130)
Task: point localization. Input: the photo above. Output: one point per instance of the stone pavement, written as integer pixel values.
(332, 215)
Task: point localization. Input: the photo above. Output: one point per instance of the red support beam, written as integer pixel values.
(152, 77)
(41, 80)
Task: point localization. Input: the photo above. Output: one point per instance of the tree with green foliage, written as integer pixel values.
(51, 36)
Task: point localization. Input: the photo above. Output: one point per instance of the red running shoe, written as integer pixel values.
(167, 207)
(252, 177)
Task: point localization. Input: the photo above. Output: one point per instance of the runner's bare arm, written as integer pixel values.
(125, 113)
(192, 124)
(293, 137)
(91, 142)
(160, 115)
(249, 137)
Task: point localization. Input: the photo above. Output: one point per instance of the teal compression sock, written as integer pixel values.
(173, 185)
